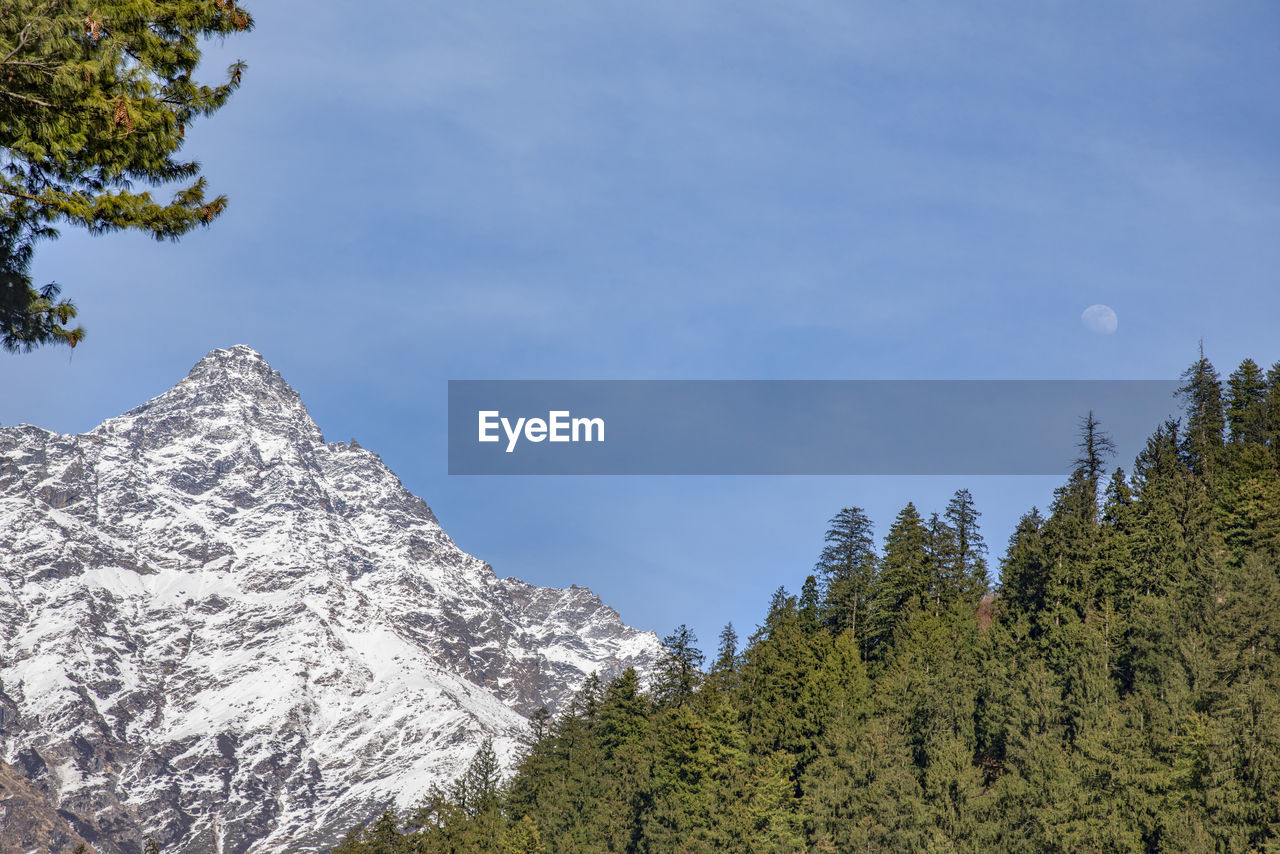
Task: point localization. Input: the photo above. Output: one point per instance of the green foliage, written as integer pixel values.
(1201, 392)
(680, 669)
(967, 574)
(1271, 406)
(1119, 692)
(1246, 404)
(1023, 567)
(30, 316)
(727, 653)
(903, 581)
(846, 568)
(95, 98)
(522, 837)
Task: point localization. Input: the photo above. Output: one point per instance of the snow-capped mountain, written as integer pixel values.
(222, 632)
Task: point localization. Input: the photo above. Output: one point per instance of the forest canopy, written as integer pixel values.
(1116, 689)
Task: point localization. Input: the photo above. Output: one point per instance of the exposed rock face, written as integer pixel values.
(221, 632)
(28, 822)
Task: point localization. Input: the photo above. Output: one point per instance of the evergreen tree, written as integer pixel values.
(1023, 569)
(904, 581)
(775, 666)
(679, 670)
(943, 583)
(727, 653)
(837, 692)
(1246, 404)
(1161, 490)
(96, 97)
(1071, 535)
(1116, 575)
(928, 694)
(30, 316)
(810, 605)
(1201, 392)
(1247, 498)
(476, 795)
(383, 836)
(1095, 448)
(846, 568)
(970, 564)
(1271, 406)
(523, 837)
(623, 713)
(1119, 693)
(1236, 759)
(726, 662)
(539, 724)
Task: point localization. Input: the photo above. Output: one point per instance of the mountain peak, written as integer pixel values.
(233, 388)
(217, 628)
(239, 357)
(239, 365)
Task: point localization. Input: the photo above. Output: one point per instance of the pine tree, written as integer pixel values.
(623, 713)
(885, 809)
(904, 581)
(1246, 404)
(837, 691)
(560, 782)
(1071, 535)
(1031, 797)
(776, 666)
(1237, 758)
(679, 670)
(725, 667)
(810, 605)
(539, 726)
(523, 837)
(383, 836)
(1202, 394)
(694, 783)
(846, 568)
(943, 584)
(476, 791)
(29, 316)
(1095, 448)
(1023, 569)
(1161, 490)
(970, 570)
(1119, 694)
(1117, 576)
(1248, 501)
(95, 97)
(1117, 499)
(1271, 406)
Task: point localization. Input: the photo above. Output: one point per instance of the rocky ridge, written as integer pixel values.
(220, 631)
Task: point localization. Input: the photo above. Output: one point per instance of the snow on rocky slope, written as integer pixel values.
(220, 631)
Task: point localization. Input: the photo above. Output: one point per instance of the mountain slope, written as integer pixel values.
(28, 822)
(220, 631)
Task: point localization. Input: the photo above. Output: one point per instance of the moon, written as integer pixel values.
(1100, 319)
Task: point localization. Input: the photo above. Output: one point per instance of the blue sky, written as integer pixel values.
(423, 192)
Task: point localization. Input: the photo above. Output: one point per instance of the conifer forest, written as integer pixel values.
(1109, 683)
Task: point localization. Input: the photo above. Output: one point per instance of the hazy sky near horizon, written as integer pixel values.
(422, 192)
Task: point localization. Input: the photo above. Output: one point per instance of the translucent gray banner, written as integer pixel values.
(801, 427)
